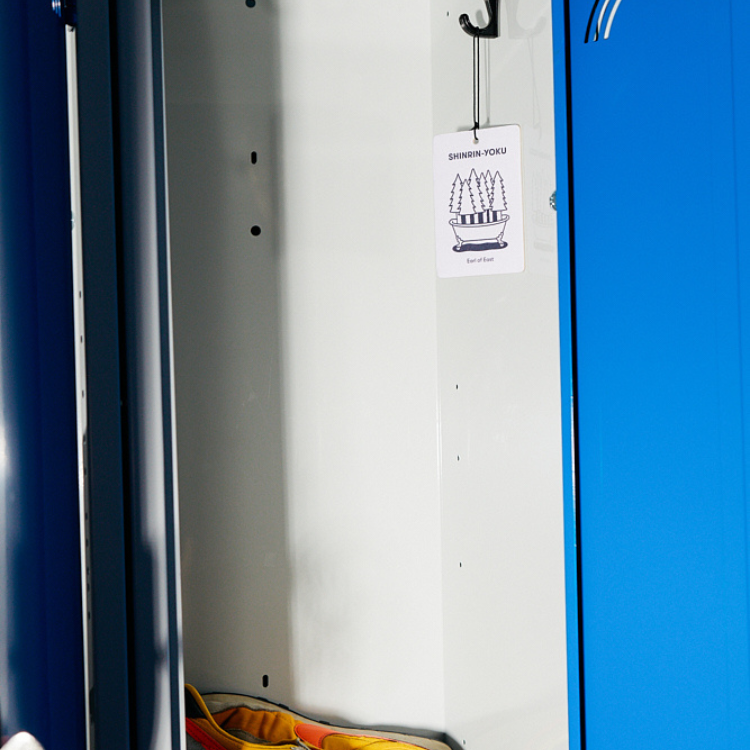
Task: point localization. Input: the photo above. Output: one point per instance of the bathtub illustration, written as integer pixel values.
(486, 236)
(478, 205)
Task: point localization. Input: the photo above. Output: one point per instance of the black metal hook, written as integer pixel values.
(492, 29)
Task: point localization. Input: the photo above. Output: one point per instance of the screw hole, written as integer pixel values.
(250, 3)
(255, 231)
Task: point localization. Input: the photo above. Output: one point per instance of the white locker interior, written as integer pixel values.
(369, 456)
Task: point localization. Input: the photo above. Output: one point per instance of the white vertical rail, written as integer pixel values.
(80, 358)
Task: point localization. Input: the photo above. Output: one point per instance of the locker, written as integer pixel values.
(41, 610)
(368, 456)
(316, 472)
(652, 102)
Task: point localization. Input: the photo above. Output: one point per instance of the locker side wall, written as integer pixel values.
(300, 187)
(498, 367)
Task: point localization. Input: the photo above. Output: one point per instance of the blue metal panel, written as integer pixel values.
(111, 698)
(41, 650)
(567, 367)
(657, 149)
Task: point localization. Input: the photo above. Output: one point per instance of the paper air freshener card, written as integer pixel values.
(478, 202)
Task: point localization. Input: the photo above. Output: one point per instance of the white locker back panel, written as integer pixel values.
(337, 554)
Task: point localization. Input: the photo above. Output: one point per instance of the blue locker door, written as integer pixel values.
(657, 160)
(41, 613)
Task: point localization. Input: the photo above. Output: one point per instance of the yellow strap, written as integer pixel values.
(270, 726)
(235, 720)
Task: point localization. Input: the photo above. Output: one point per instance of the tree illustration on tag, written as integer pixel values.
(479, 203)
(479, 206)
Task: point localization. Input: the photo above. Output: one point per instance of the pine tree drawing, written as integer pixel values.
(479, 199)
(455, 206)
(466, 203)
(499, 201)
(490, 187)
(478, 204)
(485, 186)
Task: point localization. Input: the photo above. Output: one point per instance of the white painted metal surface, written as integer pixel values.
(305, 355)
(359, 359)
(498, 367)
(324, 512)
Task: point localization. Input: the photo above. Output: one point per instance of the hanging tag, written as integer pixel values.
(479, 202)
